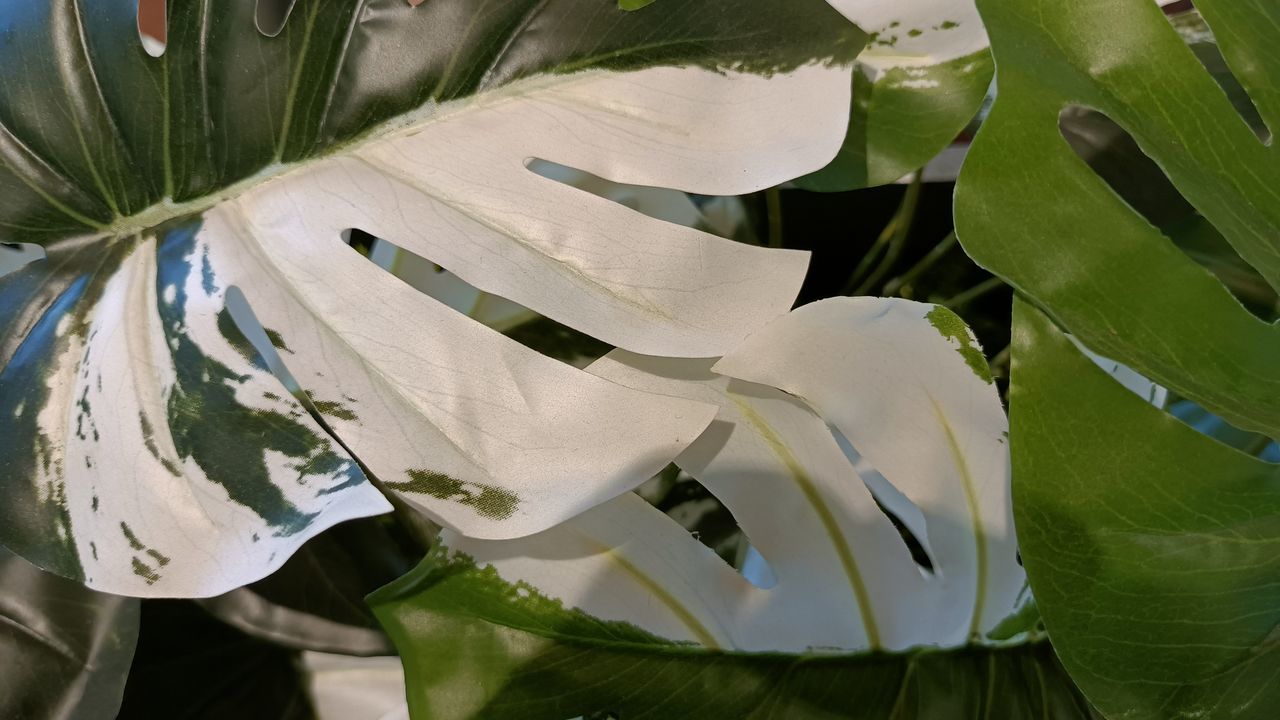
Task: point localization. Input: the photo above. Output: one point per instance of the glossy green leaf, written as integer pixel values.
(1034, 213)
(918, 84)
(149, 448)
(65, 649)
(1153, 550)
(477, 647)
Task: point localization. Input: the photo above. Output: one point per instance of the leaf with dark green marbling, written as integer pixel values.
(183, 199)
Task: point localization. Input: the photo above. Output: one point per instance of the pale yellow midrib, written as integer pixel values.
(975, 513)
(828, 520)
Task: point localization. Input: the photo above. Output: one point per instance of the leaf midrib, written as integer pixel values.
(829, 523)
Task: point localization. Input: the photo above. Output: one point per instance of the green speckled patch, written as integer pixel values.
(141, 568)
(953, 328)
(333, 408)
(491, 502)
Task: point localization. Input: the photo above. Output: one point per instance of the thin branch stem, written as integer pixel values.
(973, 293)
(773, 209)
(904, 281)
(892, 239)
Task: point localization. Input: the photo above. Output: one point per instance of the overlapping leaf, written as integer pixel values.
(621, 610)
(922, 78)
(1152, 549)
(1145, 542)
(148, 450)
(1033, 212)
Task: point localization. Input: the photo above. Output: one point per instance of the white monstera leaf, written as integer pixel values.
(907, 386)
(827, 418)
(148, 450)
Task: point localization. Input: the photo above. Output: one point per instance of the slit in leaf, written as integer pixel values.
(905, 516)
(1198, 36)
(153, 29)
(691, 504)
(517, 322)
(15, 256)
(725, 217)
(271, 16)
(1114, 155)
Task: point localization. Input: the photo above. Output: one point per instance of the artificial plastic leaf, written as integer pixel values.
(1034, 213)
(921, 80)
(724, 217)
(1153, 550)
(65, 649)
(555, 624)
(148, 449)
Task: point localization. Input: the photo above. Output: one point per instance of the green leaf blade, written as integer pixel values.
(1152, 550)
(1065, 239)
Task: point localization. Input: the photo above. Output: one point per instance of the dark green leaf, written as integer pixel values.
(316, 600)
(64, 649)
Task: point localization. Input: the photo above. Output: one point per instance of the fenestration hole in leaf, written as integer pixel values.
(16, 255)
(153, 26)
(498, 313)
(1198, 35)
(271, 16)
(267, 345)
(1111, 152)
(691, 504)
(905, 516)
(725, 217)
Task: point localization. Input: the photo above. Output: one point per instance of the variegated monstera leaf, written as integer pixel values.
(620, 610)
(921, 80)
(147, 450)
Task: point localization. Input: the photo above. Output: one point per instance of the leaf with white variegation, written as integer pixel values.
(148, 450)
(563, 622)
(921, 80)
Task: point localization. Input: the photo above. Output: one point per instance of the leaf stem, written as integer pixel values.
(973, 293)
(892, 239)
(773, 210)
(903, 282)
